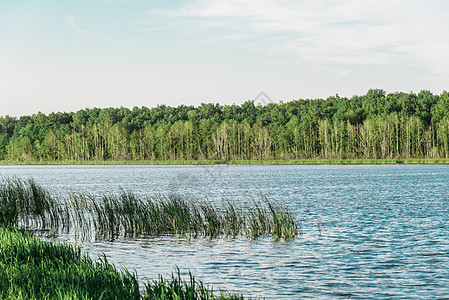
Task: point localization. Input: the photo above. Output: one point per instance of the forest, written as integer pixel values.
(377, 125)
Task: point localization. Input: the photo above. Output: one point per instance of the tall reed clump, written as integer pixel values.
(125, 214)
(128, 215)
(267, 218)
(283, 223)
(33, 269)
(24, 203)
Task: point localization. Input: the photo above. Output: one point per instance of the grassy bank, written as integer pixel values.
(342, 161)
(118, 162)
(33, 269)
(441, 161)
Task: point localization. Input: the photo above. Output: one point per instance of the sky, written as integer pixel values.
(70, 55)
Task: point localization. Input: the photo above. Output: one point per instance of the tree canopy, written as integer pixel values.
(375, 125)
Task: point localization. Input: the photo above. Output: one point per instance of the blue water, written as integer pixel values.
(368, 231)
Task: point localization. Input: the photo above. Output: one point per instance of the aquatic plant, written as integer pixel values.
(26, 204)
(234, 220)
(283, 222)
(127, 215)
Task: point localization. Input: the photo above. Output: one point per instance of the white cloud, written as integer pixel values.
(71, 22)
(348, 32)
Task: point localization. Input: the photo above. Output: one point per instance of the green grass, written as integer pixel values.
(241, 162)
(342, 161)
(33, 269)
(113, 162)
(177, 288)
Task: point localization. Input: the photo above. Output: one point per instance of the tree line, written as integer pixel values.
(376, 125)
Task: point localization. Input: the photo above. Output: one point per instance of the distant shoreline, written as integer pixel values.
(420, 161)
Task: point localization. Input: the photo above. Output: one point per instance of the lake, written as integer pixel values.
(368, 231)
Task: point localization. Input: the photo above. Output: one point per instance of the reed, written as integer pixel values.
(79, 219)
(25, 204)
(283, 222)
(126, 215)
(233, 219)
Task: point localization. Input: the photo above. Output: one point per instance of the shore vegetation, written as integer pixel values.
(389, 161)
(35, 269)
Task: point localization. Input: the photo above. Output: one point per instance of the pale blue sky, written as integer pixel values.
(68, 55)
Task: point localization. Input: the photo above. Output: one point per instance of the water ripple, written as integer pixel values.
(370, 232)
